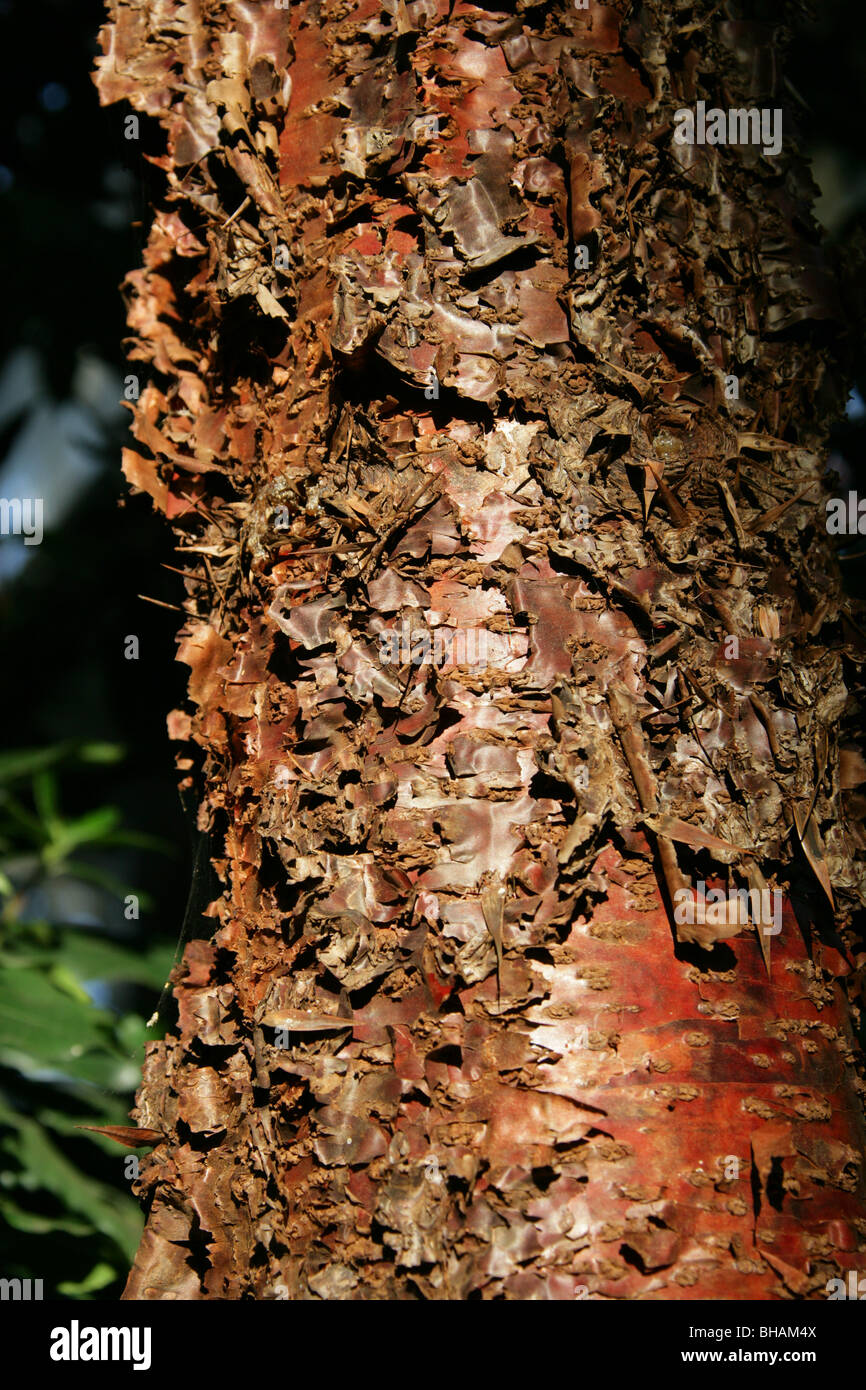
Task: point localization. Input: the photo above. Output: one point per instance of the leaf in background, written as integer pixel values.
(111, 1110)
(64, 1204)
(26, 762)
(91, 874)
(131, 1030)
(95, 958)
(46, 1167)
(63, 979)
(71, 833)
(139, 839)
(47, 800)
(54, 1029)
(101, 753)
(34, 1224)
(99, 1278)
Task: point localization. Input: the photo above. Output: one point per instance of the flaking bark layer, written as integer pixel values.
(439, 326)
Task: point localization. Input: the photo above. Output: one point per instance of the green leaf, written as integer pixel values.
(132, 1034)
(140, 839)
(100, 1275)
(31, 825)
(47, 1168)
(90, 874)
(25, 762)
(38, 1021)
(103, 1110)
(88, 957)
(84, 830)
(107, 1071)
(46, 799)
(35, 1224)
(66, 982)
(95, 958)
(101, 752)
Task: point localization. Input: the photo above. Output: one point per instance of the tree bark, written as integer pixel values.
(445, 333)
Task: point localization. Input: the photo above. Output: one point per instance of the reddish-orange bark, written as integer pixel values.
(505, 1070)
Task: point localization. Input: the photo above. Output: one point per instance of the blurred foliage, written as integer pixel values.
(71, 191)
(66, 1213)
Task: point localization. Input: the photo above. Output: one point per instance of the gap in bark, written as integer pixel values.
(214, 1055)
(308, 955)
(272, 873)
(457, 1186)
(539, 953)
(330, 983)
(545, 1176)
(333, 841)
(546, 787)
(377, 1234)
(283, 891)
(403, 46)
(367, 378)
(449, 1054)
(452, 1005)
(415, 1289)
(811, 908)
(200, 1143)
(220, 489)
(523, 258)
(631, 1257)
(226, 184)
(614, 446)
(246, 356)
(198, 1258)
(309, 800)
(446, 719)
(775, 1188)
(525, 414)
(285, 664)
(632, 287)
(756, 1191)
(719, 960)
(303, 1102)
(355, 216)
(420, 1098)
(361, 997)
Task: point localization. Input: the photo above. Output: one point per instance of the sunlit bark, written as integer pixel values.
(446, 331)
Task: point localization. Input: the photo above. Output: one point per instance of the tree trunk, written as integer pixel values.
(490, 421)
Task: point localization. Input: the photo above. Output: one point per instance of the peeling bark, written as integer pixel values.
(507, 630)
